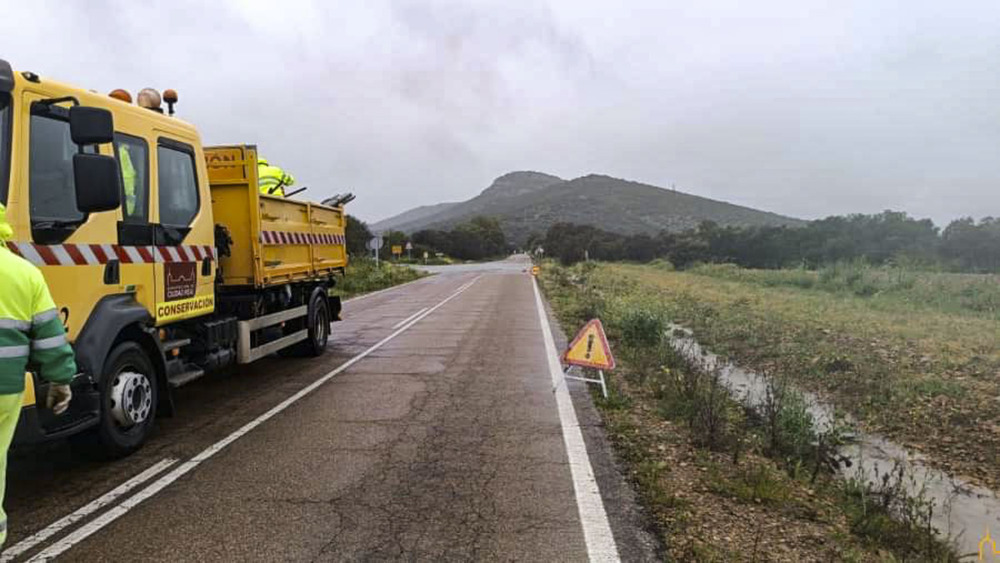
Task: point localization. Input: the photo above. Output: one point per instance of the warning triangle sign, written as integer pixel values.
(590, 348)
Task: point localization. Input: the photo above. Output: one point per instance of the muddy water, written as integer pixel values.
(962, 511)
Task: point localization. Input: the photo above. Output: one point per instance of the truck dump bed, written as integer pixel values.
(275, 240)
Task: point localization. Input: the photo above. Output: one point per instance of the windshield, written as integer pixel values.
(4, 146)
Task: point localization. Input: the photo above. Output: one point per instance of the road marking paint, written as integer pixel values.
(596, 530)
(404, 321)
(118, 511)
(95, 505)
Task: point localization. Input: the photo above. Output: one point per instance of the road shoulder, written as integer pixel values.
(630, 523)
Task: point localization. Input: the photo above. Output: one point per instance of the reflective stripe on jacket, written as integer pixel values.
(30, 330)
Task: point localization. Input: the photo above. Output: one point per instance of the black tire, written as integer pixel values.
(318, 322)
(111, 439)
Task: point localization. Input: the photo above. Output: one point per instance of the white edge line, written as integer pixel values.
(596, 530)
(407, 319)
(116, 512)
(84, 511)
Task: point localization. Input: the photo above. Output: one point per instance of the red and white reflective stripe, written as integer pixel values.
(183, 253)
(284, 237)
(97, 254)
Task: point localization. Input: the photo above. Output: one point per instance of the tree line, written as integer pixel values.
(965, 245)
(477, 239)
(890, 237)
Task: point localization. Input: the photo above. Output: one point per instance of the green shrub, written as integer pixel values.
(642, 327)
(662, 264)
(363, 276)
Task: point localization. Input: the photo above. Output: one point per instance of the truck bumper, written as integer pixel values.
(37, 424)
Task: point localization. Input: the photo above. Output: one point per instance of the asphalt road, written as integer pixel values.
(431, 430)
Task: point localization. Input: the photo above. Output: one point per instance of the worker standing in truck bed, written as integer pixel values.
(272, 179)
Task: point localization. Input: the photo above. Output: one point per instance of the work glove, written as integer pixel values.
(58, 399)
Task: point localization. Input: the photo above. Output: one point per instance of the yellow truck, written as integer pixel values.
(164, 259)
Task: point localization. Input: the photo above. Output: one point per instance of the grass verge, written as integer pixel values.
(907, 366)
(721, 482)
(364, 277)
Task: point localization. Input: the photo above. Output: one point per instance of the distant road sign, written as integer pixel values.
(535, 270)
(397, 249)
(409, 245)
(375, 243)
(590, 348)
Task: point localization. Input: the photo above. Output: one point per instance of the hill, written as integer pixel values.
(415, 215)
(502, 191)
(527, 202)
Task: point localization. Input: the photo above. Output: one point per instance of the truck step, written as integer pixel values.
(175, 344)
(185, 378)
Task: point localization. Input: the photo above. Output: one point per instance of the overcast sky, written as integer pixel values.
(802, 108)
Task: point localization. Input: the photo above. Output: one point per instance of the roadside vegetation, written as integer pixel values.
(888, 238)
(917, 360)
(478, 239)
(724, 482)
(889, 287)
(363, 277)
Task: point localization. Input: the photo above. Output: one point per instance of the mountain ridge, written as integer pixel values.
(528, 201)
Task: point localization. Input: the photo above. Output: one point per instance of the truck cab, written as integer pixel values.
(113, 203)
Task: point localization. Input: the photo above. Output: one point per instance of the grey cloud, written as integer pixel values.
(804, 108)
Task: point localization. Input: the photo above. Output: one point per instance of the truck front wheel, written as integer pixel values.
(128, 403)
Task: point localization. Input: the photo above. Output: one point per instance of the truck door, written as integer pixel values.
(183, 234)
(66, 244)
(136, 254)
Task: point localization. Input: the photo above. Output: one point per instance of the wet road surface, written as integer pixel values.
(429, 431)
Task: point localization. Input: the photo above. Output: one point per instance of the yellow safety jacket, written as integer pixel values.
(272, 179)
(30, 330)
(128, 179)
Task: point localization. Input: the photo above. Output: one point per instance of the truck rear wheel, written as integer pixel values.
(128, 403)
(318, 322)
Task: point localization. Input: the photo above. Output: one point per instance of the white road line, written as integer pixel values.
(596, 530)
(118, 511)
(407, 319)
(97, 504)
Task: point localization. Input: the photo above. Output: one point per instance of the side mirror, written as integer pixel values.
(6, 77)
(91, 126)
(98, 187)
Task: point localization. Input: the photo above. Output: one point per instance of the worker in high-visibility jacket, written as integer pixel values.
(128, 179)
(30, 334)
(272, 179)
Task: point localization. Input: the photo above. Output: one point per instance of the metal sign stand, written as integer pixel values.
(373, 244)
(600, 373)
